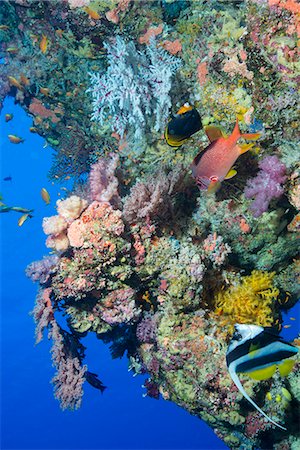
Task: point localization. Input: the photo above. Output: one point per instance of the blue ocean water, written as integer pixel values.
(31, 418)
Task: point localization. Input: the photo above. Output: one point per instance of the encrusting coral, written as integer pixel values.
(143, 259)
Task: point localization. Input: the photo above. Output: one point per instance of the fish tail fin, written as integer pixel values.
(239, 385)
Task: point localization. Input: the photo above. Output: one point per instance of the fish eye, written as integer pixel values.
(214, 178)
(237, 336)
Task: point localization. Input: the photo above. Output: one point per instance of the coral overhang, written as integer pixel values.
(143, 259)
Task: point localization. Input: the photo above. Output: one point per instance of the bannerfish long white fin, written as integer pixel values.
(239, 385)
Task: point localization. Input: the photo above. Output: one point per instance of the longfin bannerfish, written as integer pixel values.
(182, 125)
(258, 352)
(214, 164)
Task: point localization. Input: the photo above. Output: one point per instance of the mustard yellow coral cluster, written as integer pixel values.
(226, 103)
(251, 300)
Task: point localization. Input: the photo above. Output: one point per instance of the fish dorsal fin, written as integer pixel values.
(231, 174)
(262, 374)
(185, 108)
(236, 134)
(213, 133)
(285, 367)
(239, 385)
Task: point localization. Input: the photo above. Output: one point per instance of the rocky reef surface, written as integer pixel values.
(139, 255)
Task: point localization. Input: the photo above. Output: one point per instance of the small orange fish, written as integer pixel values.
(8, 117)
(14, 82)
(45, 91)
(45, 196)
(15, 139)
(12, 50)
(22, 219)
(24, 80)
(214, 164)
(33, 130)
(93, 14)
(44, 44)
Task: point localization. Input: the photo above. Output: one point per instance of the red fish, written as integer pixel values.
(214, 164)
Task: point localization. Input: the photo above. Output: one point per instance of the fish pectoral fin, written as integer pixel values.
(213, 187)
(262, 374)
(285, 367)
(251, 136)
(213, 133)
(231, 174)
(245, 147)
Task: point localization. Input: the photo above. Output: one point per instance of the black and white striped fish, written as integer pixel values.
(258, 351)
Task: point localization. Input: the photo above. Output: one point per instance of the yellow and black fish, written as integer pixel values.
(182, 125)
(258, 352)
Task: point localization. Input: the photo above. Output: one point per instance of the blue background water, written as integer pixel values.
(31, 418)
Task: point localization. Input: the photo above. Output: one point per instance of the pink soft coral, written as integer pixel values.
(267, 185)
(97, 219)
(103, 182)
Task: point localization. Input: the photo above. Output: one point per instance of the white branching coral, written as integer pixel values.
(134, 92)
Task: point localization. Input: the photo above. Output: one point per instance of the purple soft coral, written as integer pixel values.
(146, 329)
(103, 182)
(41, 270)
(266, 185)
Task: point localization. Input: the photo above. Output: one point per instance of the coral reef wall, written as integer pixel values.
(142, 258)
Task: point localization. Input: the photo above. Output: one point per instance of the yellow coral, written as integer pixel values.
(249, 301)
(222, 103)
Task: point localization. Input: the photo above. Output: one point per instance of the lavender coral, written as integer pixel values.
(120, 307)
(70, 374)
(42, 270)
(103, 184)
(66, 353)
(267, 185)
(153, 196)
